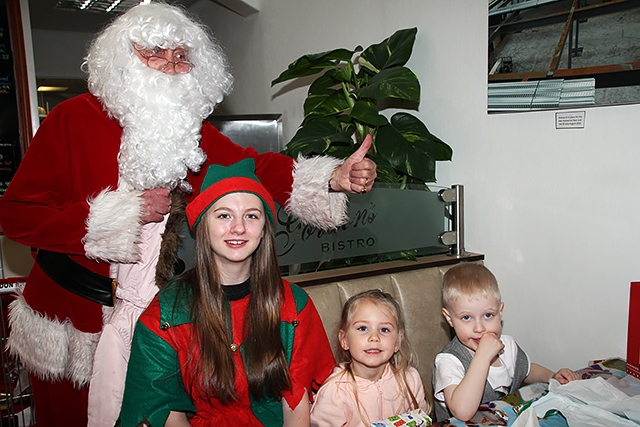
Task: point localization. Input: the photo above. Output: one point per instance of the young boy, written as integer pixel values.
(479, 364)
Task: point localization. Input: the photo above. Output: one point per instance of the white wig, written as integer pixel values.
(161, 115)
(157, 25)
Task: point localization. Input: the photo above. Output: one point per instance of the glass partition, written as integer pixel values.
(385, 224)
(388, 223)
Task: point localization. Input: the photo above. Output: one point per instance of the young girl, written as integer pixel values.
(376, 379)
(230, 342)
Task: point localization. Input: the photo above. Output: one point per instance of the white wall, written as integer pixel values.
(554, 211)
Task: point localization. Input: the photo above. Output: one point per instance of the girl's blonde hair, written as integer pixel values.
(400, 362)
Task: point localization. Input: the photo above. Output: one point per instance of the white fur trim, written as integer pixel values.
(107, 312)
(310, 199)
(47, 358)
(113, 226)
(50, 349)
(82, 347)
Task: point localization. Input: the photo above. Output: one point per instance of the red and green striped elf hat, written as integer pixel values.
(222, 180)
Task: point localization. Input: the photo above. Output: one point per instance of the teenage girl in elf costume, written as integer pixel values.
(377, 378)
(229, 342)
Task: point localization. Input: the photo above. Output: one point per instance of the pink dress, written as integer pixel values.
(335, 404)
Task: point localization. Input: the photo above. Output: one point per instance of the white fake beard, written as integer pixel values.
(161, 118)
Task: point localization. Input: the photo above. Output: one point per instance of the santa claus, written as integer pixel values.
(101, 193)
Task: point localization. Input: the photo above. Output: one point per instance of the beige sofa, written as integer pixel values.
(416, 285)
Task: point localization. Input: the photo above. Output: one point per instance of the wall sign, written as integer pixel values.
(570, 120)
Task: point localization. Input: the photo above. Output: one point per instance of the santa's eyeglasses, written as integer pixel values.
(157, 59)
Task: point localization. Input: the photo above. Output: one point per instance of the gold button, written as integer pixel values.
(164, 326)
(233, 347)
(295, 323)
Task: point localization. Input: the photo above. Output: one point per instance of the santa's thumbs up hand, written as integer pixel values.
(357, 174)
(361, 152)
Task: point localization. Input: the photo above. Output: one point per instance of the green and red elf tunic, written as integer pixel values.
(160, 363)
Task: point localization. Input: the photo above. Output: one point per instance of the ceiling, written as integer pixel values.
(45, 16)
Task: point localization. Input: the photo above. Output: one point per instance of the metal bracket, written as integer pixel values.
(450, 195)
(454, 197)
(448, 238)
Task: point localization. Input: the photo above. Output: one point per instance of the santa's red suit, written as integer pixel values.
(55, 202)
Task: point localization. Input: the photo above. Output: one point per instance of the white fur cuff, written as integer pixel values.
(310, 199)
(50, 349)
(113, 226)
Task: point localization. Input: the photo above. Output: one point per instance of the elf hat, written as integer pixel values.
(219, 181)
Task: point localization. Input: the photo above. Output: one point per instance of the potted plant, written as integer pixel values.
(343, 106)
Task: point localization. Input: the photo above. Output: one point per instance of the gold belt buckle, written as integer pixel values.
(114, 285)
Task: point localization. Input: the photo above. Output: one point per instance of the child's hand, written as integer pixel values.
(490, 346)
(565, 375)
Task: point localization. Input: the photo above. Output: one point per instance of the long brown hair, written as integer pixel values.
(262, 350)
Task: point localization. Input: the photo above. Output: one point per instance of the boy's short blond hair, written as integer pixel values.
(468, 280)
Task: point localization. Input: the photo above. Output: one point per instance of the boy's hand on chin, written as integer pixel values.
(490, 346)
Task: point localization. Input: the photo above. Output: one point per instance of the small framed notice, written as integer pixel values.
(570, 120)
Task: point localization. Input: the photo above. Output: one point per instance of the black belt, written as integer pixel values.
(76, 278)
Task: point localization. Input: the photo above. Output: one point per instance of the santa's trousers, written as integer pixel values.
(59, 404)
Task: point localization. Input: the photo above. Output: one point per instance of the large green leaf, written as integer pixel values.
(392, 52)
(308, 65)
(345, 74)
(362, 78)
(324, 82)
(366, 112)
(416, 132)
(341, 102)
(404, 155)
(316, 137)
(326, 104)
(386, 172)
(340, 150)
(399, 82)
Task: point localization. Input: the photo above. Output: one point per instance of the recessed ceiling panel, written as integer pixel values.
(104, 6)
